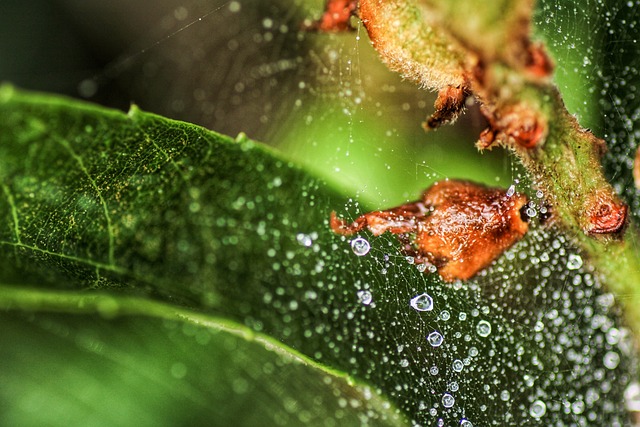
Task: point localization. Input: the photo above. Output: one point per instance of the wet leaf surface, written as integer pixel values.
(96, 201)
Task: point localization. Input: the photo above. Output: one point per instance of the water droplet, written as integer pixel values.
(611, 360)
(304, 239)
(432, 268)
(360, 246)
(453, 386)
(577, 407)
(465, 423)
(365, 297)
(178, 370)
(537, 409)
(234, 6)
(483, 328)
(404, 363)
(421, 267)
(462, 316)
(458, 365)
(574, 262)
(422, 302)
(505, 395)
(632, 397)
(445, 315)
(410, 259)
(448, 400)
(434, 370)
(511, 190)
(613, 336)
(435, 338)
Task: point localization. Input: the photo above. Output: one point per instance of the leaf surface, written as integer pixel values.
(138, 206)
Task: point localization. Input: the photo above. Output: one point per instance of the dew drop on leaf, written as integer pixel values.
(304, 239)
(422, 302)
(484, 328)
(435, 338)
(574, 262)
(365, 297)
(360, 246)
(448, 400)
(611, 360)
(538, 409)
(632, 397)
(577, 407)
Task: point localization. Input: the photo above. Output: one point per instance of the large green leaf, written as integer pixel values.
(142, 363)
(149, 212)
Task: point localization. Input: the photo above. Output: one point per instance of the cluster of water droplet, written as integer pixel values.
(506, 343)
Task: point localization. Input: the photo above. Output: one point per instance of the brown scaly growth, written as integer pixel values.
(448, 106)
(458, 226)
(513, 124)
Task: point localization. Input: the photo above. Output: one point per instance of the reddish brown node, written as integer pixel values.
(518, 123)
(336, 16)
(458, 226)
(486, 139)
(526, 128)
(538, 63)
(606, 216)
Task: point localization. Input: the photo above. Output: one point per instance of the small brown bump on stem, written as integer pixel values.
(605, 215)
(336, 17)
(486, 139)
(538, 63)
(516, 123)
(449, 105)
(524, 125)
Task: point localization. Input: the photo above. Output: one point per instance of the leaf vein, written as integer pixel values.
(103, 202)
(14, 212)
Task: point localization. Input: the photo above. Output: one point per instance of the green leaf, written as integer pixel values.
(148, 212)
(74, 362)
